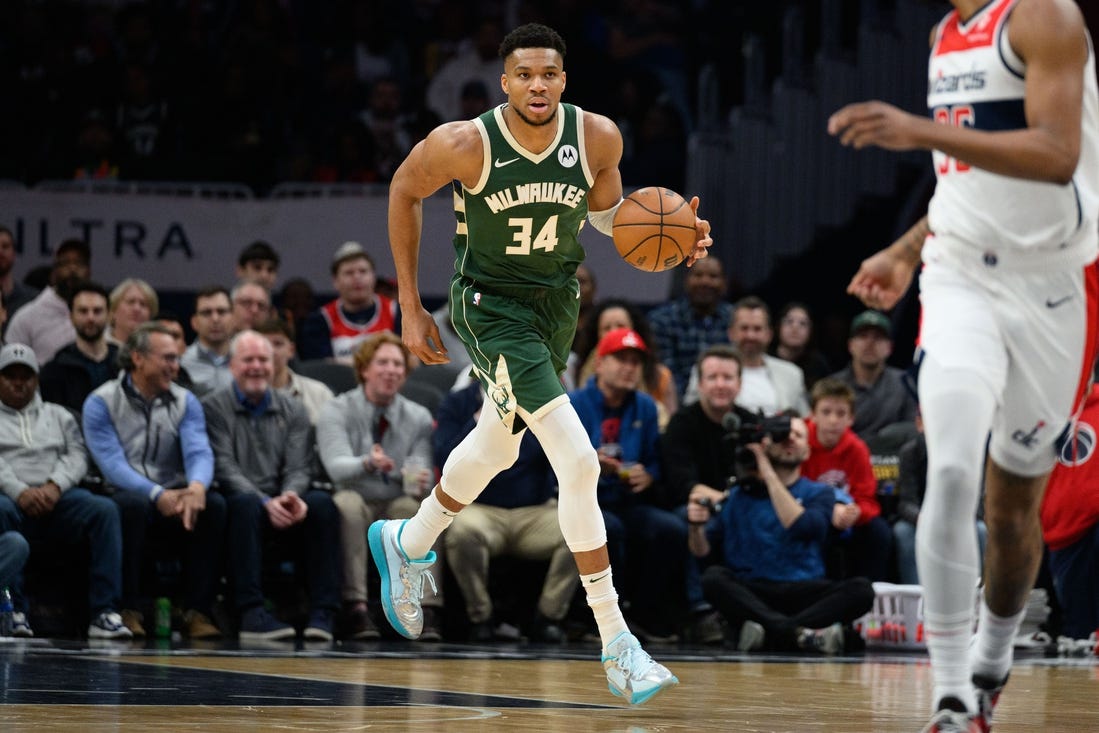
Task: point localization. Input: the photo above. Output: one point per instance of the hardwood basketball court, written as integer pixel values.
(113, 686)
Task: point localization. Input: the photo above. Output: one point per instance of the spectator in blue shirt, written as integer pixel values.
(148, 437)
(768, 577)
(684, 327)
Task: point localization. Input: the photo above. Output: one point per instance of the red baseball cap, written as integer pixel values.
(620, 339)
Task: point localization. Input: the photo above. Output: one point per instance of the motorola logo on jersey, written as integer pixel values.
(1077, 448)
(567, 156)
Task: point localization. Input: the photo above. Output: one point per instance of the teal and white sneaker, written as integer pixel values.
(632, 673)
(402, 577)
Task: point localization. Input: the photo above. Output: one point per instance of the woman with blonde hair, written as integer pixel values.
(132, 302)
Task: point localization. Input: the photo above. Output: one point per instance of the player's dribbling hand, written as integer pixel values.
(703, 241)
(416, 329)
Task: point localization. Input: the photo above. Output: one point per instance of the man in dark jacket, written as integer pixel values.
(89, 361)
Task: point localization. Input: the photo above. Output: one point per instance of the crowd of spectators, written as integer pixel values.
(231, 436)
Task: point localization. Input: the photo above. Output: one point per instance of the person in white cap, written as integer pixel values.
(42, 457)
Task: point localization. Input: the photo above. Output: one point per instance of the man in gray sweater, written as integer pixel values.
(42, 457)
(263, 449)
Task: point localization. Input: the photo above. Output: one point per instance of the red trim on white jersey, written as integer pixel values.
(981, 30)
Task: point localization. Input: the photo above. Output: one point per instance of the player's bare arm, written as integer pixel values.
(885, 276)
(450, 151)
(1049, 36)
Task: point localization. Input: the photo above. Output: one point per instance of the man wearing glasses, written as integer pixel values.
(148, 437)
(207, 359)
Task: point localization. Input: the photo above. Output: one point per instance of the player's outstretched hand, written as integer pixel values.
(874, 123)
(882, 278)
(702, 233)
(416, 329)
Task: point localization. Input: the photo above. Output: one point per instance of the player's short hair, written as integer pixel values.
(532, 35)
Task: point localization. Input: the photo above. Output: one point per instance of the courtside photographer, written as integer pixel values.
(767, 544)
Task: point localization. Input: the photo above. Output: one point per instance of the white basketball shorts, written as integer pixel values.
(1030, 335)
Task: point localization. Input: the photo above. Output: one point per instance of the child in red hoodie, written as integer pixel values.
(839, 458)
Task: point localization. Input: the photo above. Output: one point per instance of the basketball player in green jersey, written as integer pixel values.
(525, 176)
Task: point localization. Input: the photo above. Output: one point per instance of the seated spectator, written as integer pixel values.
(911, 485)
(795, 343)
(263, 449)
(148, 437)
(251, 305)
(656, 378)
(768, 385)
(515, 515)
(768, 580)
(42, 458)
(312, 393)
(44, 324)
(881, 397)
(259, 262)
(697, 460)
(174, 323)
(683, 328)
(839, 459)
(89, 361)
(365, 438)
(207, 358)
(132, 303)
(338, 327)
(13, 293)
(642, 536)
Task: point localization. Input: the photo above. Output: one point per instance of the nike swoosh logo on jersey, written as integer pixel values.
(1050, 303)
(501, 163)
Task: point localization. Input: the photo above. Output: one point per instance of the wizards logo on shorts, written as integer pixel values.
(1076, 448)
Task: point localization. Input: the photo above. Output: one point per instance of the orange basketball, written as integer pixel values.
(654, 229)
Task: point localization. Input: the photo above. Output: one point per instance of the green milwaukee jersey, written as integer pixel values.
(518, 226)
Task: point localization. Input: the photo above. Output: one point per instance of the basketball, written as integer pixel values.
(654, 229)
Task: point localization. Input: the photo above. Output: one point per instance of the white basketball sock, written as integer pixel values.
(992, 650)
(420, 532)
(603, 599)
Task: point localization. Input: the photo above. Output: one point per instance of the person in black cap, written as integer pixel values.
(881, 397)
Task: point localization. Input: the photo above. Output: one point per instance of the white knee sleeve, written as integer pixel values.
(488, 449)
(957, 408)
(573, 458)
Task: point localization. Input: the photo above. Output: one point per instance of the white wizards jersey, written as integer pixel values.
(977, 80)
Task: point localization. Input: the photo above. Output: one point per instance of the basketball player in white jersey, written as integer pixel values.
(1008, 290)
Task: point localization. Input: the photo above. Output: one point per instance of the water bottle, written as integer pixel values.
(163, 618)
(7, 609)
